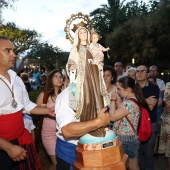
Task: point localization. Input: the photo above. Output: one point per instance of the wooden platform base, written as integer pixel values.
(111, 158)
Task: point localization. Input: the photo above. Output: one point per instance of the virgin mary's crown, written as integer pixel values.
(87, 23)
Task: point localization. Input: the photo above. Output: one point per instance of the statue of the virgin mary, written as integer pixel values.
(87, 91)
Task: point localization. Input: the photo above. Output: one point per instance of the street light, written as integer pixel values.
(39, 64)
(133, 61)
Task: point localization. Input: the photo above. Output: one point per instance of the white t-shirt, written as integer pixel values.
(160, 84)
(64, 115)
(123, 74)
(20, 95)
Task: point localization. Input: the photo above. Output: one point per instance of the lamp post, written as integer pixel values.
(39, 64)
(133, 61)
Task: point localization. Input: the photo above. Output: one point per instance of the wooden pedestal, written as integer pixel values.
(111, 158)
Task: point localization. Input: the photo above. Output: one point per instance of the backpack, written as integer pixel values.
(144, 127)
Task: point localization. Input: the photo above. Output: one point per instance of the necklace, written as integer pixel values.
(14, 104)
(108, 87)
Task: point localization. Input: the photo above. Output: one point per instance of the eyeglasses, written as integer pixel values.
(141, 71)
(152, 71)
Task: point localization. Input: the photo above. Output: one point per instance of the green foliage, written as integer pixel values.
(34, 94)
(33, 97)
(106, 18)
(47, 56)
(62, 59)
(7, 3)
(22, 39)
(135, 30)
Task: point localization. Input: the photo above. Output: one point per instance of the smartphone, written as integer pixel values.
(107, 109)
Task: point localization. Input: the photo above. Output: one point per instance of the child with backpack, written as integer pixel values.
(126, 117)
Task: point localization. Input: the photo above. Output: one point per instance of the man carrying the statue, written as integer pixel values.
(80, 107)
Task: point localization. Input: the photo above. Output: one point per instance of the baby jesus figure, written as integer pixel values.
(97, 49)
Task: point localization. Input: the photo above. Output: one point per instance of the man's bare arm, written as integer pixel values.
(77, 129)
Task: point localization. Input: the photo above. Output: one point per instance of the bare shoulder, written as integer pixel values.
(39, 100)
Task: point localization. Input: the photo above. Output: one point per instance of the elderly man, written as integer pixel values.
(151, 93)
(153, 71)
(17, 150)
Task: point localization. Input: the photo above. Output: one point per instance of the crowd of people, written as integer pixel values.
(75, 106)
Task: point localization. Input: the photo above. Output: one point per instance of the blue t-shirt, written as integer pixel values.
(37, 76)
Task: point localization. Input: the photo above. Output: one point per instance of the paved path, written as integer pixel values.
(160, 163)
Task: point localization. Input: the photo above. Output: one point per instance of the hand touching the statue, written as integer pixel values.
(114, 94)
(65, 83)
(66, 80)
(103, 118)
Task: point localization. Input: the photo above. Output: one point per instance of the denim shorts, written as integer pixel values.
(131, 148)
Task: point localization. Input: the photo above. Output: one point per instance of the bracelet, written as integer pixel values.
(113, 100)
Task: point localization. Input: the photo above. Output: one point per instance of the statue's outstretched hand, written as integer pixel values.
(72, 67)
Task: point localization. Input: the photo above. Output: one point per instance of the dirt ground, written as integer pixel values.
(44, 159)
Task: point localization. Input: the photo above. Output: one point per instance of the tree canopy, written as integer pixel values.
(46, 55)
(29, 42)
(135, 30)
(6, 3)
(22, 39)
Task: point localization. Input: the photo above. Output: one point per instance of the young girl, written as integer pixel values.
(97, 49)
(53, 85)
(128, 109)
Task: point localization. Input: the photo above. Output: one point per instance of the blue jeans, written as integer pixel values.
(146, 151)
(131, 148)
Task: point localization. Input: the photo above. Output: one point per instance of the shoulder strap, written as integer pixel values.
(119, 124)
(45, 98)
(130, 124)
(46, 95)
(136, 102)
